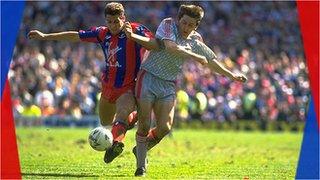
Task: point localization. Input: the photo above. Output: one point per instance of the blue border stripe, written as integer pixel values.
(308, 166)
(11, 14)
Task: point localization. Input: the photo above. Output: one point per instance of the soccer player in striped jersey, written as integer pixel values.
(123, 58)
(155, 89)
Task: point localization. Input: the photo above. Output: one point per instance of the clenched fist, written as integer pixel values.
(239, 77)
(128, 29)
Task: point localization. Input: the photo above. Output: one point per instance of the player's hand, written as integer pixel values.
(128, 30)
(35, 34)
(239, 77)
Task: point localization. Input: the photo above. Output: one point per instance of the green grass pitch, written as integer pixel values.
(64, 153)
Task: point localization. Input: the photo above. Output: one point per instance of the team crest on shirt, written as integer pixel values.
(122, 36)
(140, 28)
(111, 58)
(108, 37)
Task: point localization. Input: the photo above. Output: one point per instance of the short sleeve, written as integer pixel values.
(166, 30)
(94, 34)
(202, 49)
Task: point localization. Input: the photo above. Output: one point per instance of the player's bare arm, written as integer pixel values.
(184, 51)
(71, 36)
(146, 42)
(215, 66)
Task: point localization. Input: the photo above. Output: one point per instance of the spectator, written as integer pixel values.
(260, 38)
(31, 110)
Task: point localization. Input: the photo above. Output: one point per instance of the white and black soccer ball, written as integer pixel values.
(100, 138)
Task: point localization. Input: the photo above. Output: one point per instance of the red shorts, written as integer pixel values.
(111, 94)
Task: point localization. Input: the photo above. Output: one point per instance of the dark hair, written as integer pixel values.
(193, 11)
(113, 8)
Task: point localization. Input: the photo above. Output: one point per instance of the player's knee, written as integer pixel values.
(105, 123)
(143, 118)
(106, 120)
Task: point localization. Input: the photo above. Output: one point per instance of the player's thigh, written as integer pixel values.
(164, 113)
(125, 104)
(144, 115)
(107, 111)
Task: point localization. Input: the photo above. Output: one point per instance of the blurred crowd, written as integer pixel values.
(260, 39)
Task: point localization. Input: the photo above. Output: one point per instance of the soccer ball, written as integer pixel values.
(100, 139)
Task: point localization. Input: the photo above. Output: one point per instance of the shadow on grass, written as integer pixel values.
(58, 175)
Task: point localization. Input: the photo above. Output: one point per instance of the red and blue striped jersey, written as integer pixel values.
(123, 56)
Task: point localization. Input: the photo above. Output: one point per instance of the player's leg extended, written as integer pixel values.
(145, 99)
(144, 115)
(125, 105)
(164, 113)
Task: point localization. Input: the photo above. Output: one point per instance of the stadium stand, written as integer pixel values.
(260, 38)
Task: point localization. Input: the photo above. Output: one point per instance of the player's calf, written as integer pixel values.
(141, 154)
(163, 130)
(153, 138)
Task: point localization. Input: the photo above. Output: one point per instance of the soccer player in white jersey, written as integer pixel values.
(155, 88)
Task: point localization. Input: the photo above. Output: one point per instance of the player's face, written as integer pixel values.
(115, 23)
(187, 24)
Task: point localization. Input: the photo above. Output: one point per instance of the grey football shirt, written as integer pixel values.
(167, 65)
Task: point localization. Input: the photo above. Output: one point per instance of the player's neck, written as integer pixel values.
(115, 33)
(184, 36)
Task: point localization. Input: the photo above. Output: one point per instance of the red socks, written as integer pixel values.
(119, 128)
(118, 131)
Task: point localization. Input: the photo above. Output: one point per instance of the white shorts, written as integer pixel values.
(153, 88)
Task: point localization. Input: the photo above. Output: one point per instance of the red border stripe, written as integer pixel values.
(10, 168)
(309, 24)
